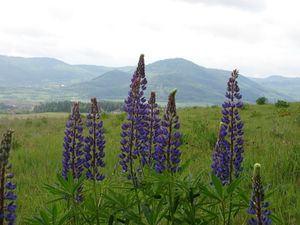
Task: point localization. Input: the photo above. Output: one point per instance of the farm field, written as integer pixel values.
(272, 138)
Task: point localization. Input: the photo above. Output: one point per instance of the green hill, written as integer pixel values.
(20, 72)
(195, 84)
(47, 79)
(288, 85)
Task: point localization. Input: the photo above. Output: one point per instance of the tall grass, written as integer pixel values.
(271, 138)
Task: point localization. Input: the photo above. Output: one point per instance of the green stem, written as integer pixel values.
(230, 209)
(94, 167)
(171, 213)
(223, 213)
(133, 176)
(96, 202)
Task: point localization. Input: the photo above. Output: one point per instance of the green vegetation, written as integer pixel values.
(65, 106)
(46, 79)
(282, 104)
(271, 138)
(290, 86)
(261, 101)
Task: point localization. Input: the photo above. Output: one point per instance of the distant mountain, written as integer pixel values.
(195, 84)
(20, 72)
(47, 79)
(113, 85)
(288, 85)
(96, 70)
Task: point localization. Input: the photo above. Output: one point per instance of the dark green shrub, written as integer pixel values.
(261, 101)
(282, 104)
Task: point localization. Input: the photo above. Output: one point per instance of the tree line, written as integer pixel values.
(65, 106)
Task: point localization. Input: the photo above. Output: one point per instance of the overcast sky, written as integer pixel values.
(259, 37)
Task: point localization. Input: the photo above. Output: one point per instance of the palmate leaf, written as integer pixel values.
(233, 186)
(210, 194)
(64, 189)
(217, 183)
(155, 213)
(123, 205)
(49, 217)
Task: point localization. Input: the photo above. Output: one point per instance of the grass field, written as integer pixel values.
(272, 138)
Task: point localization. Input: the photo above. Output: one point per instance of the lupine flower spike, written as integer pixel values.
(133, 132)
(73, 143)
(153, 126)
(228, 163)
(7, 187)
(95, 143)
(258, 207)
(167, 153)
(221, 155)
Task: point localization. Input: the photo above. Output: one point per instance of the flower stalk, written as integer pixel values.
(153, 126)
(258, 208)
(167, 153)
(134, 135)
(7, 187)
(227, 157)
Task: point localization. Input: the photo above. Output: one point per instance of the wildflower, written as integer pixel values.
(167, 153)
(95, 143)
(229, 148)
(73, 143)
(152, 127)
(7, 187)
(258, 207)
(221, 157)
(133, 130)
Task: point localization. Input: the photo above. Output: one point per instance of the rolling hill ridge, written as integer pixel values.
(48, 79)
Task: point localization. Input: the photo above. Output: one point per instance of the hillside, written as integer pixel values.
(47, 79)
(195, 84)
(20, 72)
(288, 85)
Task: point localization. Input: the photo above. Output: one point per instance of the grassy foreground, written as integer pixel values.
(272, 138)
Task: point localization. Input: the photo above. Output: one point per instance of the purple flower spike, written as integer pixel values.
(95, 143)
(221, 156)
(167, 153)
(152, 127)
(134, 135)
(73, 144)
(227, 157)
(258, 207)
(7, 195)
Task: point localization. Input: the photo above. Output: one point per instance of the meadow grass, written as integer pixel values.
(272, 138)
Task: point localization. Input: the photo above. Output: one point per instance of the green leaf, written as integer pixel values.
(210, 194)
(233, 185)
(218, 185)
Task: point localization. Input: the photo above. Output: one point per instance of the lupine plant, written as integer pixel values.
(258, 208)
(7, 187)
(94, 149)
(227, 158)
(221, 156)
(94, 144)
(73, 144)
(73, 148)
(153, 126)
(133, 150)
(167, 153)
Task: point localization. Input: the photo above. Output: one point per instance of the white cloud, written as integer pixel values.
(260, 41)
(253, 5)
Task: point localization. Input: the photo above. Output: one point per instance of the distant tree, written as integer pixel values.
(261, 101)
(282, 104)
(65, 106)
